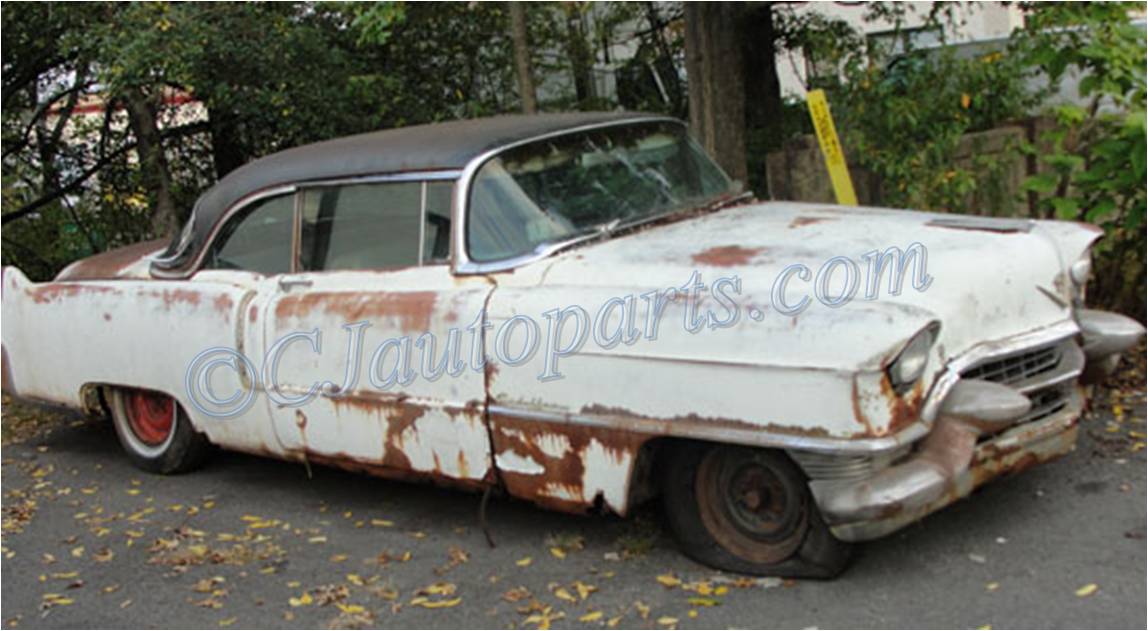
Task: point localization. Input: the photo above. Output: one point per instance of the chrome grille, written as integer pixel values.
(1017, 368)
(1047, 402)
(1046, 375)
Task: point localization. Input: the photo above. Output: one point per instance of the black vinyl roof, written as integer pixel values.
(440, 146)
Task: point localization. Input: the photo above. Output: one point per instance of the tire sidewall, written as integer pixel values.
(180, 451)
(819, 555)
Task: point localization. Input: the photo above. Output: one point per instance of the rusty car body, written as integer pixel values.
(775, 439)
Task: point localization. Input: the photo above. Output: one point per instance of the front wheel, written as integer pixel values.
(748, 511)
(155, 432)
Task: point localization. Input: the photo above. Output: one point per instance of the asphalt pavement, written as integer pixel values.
(89, 541)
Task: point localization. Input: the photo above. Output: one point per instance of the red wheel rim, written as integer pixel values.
(150, 416)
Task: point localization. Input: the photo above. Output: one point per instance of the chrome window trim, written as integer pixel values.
(462, 263)
(406, 176)
(422, 220)
(196, 264)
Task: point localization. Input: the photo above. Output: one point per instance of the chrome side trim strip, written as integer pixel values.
(716, 432)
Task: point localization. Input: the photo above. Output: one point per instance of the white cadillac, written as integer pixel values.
(582, 311)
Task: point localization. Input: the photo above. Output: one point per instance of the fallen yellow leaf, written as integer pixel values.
(704, 602)
(305, 599)
(565, 595)
(426, 603)
(669, 580)
(558, 552)
(1087, 590)
(584, 590)
(523, 562)
(593, 616)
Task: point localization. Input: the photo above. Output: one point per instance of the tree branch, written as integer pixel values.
(41, 111)
(51, 196)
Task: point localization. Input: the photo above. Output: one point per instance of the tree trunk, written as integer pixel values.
(226, 150)
(763, 105)
(715, 68)
(153, 162)
(522, 67)
(581, 57)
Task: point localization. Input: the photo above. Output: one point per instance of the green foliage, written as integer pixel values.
(262, 77)
(905, 120)
(1093, 157)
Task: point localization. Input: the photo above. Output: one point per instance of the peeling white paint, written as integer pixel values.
(455, 447)
(608, 474)
(554, 445)
(511, 461)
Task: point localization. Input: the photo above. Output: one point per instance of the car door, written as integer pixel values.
(372, 343)
(239, 272)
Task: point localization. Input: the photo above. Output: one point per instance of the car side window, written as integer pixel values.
(256, 239)
(360, 226)
(436, 232)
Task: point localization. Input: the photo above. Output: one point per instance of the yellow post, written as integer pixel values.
(831, 148)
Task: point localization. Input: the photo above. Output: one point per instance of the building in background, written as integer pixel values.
(976, 22)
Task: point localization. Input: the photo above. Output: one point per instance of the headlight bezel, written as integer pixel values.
(913, 358)
(1079, 273)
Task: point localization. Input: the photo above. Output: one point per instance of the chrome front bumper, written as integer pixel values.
(908, 492)
(1004, 414)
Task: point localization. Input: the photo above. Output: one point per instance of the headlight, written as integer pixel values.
(910, 364)
(1080, 271)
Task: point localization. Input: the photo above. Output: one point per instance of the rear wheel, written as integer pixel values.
(748, 511)
(155, 432)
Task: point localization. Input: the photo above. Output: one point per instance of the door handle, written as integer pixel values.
(286, 283)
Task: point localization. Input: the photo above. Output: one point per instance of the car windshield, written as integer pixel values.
(552, 190)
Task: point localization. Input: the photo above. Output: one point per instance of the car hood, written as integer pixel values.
(988, 279)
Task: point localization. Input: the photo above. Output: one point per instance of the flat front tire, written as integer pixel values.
(155, 432)
(748, 511)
